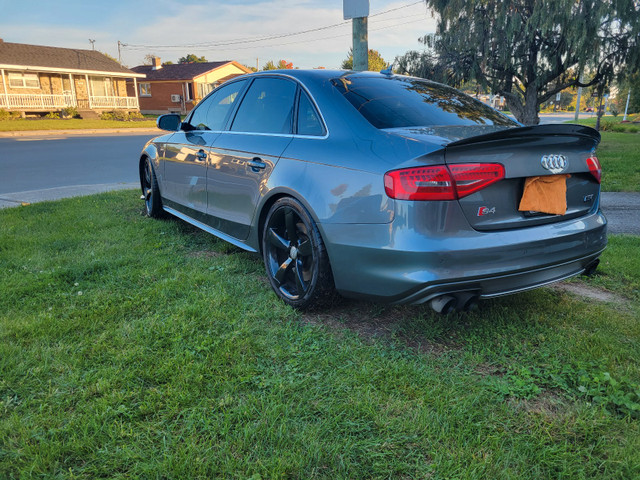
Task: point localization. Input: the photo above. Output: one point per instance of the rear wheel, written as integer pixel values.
(295, 257)
(150, 191)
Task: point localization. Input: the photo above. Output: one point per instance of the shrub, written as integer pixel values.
(70, 112)
(7, 115)
(136, 116)
(106, 116)
(52, 115)
(571, 108)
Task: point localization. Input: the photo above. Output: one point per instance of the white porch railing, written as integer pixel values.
(53, 102)
(43, 102)
(114, 102)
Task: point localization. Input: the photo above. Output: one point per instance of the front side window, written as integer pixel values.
(396, 102)
(24, 80)
(267, 107)
(212, 112)
(145, 89)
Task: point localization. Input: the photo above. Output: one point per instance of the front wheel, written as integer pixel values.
(150, 191)
(295, 257)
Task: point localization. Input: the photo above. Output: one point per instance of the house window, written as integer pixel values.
(204, 89)
(24, 80)
(145, 89)
(101, 87)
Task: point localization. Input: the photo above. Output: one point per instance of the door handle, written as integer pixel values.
(256, 164)
(201, 156)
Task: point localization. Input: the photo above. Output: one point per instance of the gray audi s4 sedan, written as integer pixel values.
(379, 186)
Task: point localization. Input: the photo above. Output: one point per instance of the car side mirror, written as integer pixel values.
(170, 122)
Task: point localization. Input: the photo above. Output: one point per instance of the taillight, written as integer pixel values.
(594, 167)
(441, 182)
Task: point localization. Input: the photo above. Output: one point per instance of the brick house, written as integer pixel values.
(35, 78)
(179, 87)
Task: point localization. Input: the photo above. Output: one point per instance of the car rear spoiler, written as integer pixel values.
(535, 130)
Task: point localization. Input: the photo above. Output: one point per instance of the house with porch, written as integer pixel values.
(37, 79)
(179, 87)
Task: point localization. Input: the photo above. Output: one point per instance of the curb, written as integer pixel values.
(93, 131)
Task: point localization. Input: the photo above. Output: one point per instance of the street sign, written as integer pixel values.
(355, 8)
(558, 96)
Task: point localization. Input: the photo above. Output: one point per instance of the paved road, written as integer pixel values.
(46, 167)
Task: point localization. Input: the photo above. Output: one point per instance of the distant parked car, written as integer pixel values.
(588, 109)
(380, 186)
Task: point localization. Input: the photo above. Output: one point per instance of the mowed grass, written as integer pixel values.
(21, 125)
(619, 154)
(138, 348)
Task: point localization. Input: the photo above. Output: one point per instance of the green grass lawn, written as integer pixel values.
(619, 154)
(138, 348)
(21, 125)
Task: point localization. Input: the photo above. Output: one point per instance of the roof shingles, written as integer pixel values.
(34, 56)
(178, 71)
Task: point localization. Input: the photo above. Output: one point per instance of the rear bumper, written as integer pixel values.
(397, 264)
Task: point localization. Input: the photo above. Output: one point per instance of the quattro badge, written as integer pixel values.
(554, 163)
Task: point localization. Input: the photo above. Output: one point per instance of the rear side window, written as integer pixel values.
(267, 107)
(394, 102)
(308, 119)
(212, 112)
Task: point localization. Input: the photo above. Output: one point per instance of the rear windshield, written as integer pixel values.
(395, 102)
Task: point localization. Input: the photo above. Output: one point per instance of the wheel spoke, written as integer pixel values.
(147, 175)
(147, 193)
(282, 271)
(277, 241)
(300, 284)
(290, 223)
(305, 249)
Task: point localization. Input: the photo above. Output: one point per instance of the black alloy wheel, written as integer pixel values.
(295, 257)
(150, 191)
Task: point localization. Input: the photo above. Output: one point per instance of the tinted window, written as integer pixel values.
(391, 102)
(267, 107)
(308, 119)
(210, 114)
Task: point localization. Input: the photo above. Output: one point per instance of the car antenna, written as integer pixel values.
(387, 71)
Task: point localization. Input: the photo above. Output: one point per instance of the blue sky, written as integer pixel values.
(171, 29)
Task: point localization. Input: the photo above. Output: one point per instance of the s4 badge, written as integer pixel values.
(482, 211)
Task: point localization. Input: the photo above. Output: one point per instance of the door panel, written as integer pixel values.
(186, 168)
(240, 165)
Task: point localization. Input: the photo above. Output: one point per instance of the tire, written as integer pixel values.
(150, 191)
(295, 257)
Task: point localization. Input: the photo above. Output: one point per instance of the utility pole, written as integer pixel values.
(358, 12)
(626, 108)
(119, 54)
(257, 64)
(581, 80)
(92, 42)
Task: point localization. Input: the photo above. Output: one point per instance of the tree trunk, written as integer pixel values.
(526, 113)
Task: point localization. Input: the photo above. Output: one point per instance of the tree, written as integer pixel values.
(421, 64)
(632, 82)
(376, 62)
(148, 59)
(191, 58)
(281, 65)
(528, 50)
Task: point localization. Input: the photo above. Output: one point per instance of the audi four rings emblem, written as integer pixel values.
(554, 163)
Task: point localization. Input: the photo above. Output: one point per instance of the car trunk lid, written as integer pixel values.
(528, 152)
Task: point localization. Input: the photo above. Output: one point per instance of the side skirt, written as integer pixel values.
(208, 229)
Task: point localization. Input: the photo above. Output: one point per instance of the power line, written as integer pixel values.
(259, 39)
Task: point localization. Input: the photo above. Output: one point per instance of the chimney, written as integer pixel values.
(157, 64)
